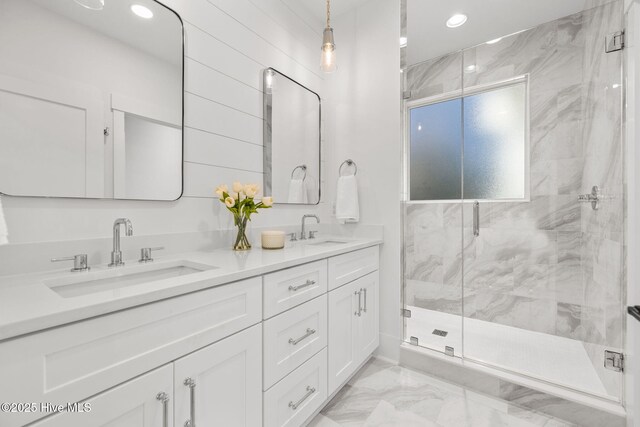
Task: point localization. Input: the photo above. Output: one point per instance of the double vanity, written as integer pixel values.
(204, 338)
(257, 338)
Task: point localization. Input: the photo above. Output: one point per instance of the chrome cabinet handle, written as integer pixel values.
(191, 383)
(305, 285)
(359, 293)
(306, 335)
(365, 299)
(476, 218)
(310, 391)
(164, 398)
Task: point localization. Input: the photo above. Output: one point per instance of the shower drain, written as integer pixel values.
(439, 333)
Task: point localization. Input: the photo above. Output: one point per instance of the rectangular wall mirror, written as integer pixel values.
(91, 99)
(291, 140)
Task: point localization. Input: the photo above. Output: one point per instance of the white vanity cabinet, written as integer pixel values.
(142, 402)
(264, 351)
(221, 384)
(353, 327)
(71, 362)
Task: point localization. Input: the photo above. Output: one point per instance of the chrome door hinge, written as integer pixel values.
(405, 313)
(449, 351)
(413, 340)
(614, 361)
(614, 42)
(406, 94)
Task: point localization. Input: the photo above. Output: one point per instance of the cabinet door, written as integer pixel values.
(368, 337)
(136, 403)
(343, 307)
(221, 383)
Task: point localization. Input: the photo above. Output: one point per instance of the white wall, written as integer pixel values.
(363, 123)
(229, 42)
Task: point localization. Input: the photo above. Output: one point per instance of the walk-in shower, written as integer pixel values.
(514, 202)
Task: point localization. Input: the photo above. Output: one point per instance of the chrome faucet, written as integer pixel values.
(304, 217)
(116, 254)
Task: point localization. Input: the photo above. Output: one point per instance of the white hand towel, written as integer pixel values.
(297, 191)
(347, 206)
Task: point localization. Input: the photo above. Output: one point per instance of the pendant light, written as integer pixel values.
(328, 56)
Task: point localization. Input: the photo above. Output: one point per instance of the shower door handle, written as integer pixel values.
(476, 218)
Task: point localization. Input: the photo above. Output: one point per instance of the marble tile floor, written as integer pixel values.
(384, 394)
(556, 359)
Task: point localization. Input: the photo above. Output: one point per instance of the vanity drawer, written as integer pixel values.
(73, 362)
(293, 337)
(285, 289)
(294, 399)
(353, 265)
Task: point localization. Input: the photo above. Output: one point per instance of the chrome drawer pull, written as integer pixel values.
(365, 299)
(191, 422)
(308, 334)
(310, 391)
(359, 312)
(307, 284)
(164, 398)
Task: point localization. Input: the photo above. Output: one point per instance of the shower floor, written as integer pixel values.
(559, 360)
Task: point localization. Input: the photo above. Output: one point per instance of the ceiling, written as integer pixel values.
(160, 36)
(316, 10)
(429, 37)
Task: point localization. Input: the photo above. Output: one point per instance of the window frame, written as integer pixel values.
(461, 94)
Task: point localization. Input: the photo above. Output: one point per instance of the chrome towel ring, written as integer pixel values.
(348, 162)
(301, 167)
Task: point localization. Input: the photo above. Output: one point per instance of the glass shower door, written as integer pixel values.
(542, 114)
(433, 209)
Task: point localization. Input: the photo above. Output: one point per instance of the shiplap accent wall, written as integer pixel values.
(228, 44)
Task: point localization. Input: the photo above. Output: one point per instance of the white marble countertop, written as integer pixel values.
(28, 304)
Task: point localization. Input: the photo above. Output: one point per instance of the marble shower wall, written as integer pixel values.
(551, 264)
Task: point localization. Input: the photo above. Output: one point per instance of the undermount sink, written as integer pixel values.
(108, 280)
(328, 242)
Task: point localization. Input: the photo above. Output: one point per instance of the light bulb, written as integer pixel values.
(328, 60)
(456, 20)
(328, 53)
(142, 11)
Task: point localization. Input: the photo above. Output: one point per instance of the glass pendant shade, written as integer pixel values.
(328, 55)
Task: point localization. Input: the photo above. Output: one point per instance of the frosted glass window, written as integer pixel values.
(436, 151)
(482, 135)
(494, 144)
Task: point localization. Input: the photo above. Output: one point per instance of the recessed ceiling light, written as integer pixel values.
(142, 11)
(91, 4)
(470, 68)
(403, 41)
(494, 41)
(456, 20)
